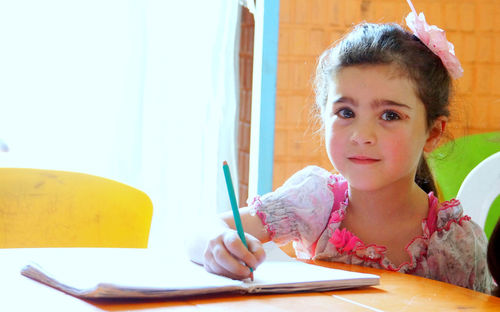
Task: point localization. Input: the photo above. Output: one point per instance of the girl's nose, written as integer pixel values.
(364, 134)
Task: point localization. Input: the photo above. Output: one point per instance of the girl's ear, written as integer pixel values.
(435, 134)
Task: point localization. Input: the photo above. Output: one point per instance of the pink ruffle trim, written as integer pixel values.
(347, 243)
(434, 209)
(449, 223)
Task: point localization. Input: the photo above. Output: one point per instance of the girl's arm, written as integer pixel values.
(298, 210)
(220, 250)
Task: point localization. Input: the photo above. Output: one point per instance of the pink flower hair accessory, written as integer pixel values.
(435, 39)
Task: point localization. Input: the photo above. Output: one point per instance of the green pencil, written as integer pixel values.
(234, 207)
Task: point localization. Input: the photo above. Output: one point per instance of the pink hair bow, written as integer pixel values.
(435, 39)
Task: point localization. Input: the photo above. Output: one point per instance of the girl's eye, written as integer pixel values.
(390, 115)
(345, 113)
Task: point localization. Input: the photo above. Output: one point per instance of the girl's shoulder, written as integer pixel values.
(333, 179)
(442, 215)
(310, 171)
(314, 175)
(309, 185)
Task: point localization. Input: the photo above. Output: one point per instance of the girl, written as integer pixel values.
(383, 96)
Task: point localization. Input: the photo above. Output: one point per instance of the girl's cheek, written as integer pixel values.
(401, 151)
(335, 146)
(331, 135)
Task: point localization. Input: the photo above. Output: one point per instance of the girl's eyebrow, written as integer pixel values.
(375, 104)
(378, 103)
(345, 99)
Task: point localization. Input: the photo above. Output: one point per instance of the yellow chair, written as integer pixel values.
(48, 208)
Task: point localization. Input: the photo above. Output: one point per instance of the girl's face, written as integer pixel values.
(375, 126)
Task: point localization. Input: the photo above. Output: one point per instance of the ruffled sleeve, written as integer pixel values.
(457, 250)
(299, 209)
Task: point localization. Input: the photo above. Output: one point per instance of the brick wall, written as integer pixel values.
(245, 76)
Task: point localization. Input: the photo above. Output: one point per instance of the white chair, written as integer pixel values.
(480, 188)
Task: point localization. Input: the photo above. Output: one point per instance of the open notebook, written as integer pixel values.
(149, 277)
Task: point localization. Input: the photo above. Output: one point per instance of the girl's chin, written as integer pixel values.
(370, 183)
(365, 188)
(366, 184)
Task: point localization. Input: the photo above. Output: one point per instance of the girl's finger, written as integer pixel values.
(226, 260)
(236, 247)
(212, 267)
(255, 247)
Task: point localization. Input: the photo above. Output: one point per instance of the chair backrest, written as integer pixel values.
(48, 208)
(451, 162)
(480, 189)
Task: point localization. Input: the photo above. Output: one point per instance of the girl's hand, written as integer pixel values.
(226, 255)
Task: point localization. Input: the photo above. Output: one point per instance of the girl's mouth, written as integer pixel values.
(363, 160)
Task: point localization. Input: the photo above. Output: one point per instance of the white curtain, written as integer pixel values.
(143, 92)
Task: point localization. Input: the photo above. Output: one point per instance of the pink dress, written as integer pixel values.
(309, 208)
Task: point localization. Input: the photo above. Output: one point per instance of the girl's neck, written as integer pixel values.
(398, 200)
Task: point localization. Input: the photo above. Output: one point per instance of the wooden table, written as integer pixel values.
(396, 292)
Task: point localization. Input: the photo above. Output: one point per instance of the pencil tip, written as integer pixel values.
(251, 276)
(224, 163)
